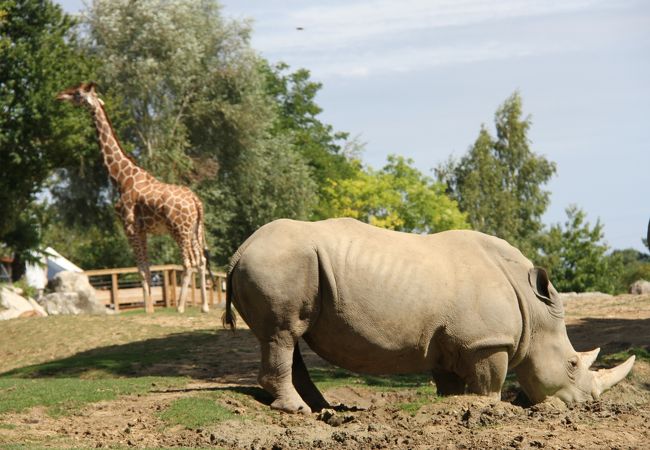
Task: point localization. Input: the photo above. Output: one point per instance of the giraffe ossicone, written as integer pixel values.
(147, 205)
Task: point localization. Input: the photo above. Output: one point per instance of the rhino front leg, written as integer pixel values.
(304, 385)
(276, 374)
(487, 371)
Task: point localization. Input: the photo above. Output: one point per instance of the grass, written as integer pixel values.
(121, 360)
(642, 354)
(62, 396)
(423, 396)
(196, 412)
(99, 364)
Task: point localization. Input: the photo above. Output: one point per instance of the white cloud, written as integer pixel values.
(337, 26)
(365, 38)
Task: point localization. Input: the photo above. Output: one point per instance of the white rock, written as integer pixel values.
(13, 305)
(72, 294)
(640, 287)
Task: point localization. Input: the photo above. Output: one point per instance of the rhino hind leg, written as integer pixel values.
(448, 383)
(276, 374)
(304, 385)
(487, 369)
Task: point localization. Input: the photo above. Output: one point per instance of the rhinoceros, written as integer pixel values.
(461, 305)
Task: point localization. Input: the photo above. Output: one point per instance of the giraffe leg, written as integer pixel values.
(185, 282)
(200, 262)
(146, 287)
(138, 242)
(204, 297)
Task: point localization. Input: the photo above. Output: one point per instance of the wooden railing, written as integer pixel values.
(122, 289)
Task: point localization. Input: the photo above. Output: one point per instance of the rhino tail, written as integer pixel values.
(229, 319)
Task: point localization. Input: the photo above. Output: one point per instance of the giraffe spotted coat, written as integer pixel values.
(146, 205)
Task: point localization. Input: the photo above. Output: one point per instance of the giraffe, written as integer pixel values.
(146, 205)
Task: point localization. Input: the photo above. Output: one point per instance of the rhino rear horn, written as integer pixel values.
(588, 358)
(606, 378)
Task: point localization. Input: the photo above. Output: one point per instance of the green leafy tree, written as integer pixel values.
(325, 150)
(498, 183)
(398, 197)
(38, 57)
(576, 256)
(635, 266)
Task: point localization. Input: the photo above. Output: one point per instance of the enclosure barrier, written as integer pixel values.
(121, 288)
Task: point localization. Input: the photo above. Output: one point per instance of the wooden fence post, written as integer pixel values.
(165, 287)
(173, 296)
(115, 292)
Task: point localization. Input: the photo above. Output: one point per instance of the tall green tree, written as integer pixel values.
(576, 256)
(324, 149)
(498, 183)
(398, 197)
(38, 57)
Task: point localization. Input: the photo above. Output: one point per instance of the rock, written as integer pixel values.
(13, 305)
(72, 294)
(640, 287)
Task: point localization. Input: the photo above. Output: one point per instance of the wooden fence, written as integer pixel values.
(122, 289)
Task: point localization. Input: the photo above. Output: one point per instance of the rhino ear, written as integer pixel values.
(539, 281)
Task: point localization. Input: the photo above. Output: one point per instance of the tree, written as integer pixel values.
(576, 257)
(635, 266)
(323, 148)
(38, 57)
(200, 113)
(398, 197)
(498, 183)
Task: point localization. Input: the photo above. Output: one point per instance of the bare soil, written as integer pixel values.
(365, 417)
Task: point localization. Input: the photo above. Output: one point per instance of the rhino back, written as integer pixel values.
(402, 302)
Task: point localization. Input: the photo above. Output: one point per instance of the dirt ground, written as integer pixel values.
(367, 417)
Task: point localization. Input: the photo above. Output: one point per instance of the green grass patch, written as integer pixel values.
(327, 378)
(423, 396)
(122, 360)
(642, 354)
(62, 396)
(195, 412)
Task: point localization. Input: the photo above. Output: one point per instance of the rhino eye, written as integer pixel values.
(573, 363)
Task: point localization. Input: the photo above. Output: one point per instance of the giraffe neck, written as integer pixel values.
(120, 166)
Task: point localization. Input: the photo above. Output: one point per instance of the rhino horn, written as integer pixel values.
(606, 378)
(588, 358)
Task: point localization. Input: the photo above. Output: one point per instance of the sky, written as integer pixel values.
(419, 77)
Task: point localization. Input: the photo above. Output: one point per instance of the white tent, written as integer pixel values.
(52, 262)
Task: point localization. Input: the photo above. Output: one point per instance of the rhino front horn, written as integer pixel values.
(588, 358)
(606, 378)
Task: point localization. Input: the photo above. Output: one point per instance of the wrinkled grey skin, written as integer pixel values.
(461, 305)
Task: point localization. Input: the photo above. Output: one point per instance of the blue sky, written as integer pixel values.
(419, 77)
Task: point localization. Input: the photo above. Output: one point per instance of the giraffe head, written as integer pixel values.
(82, 95)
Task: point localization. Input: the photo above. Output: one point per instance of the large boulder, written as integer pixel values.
(72, 294)
(640, 287)
(13, 305)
